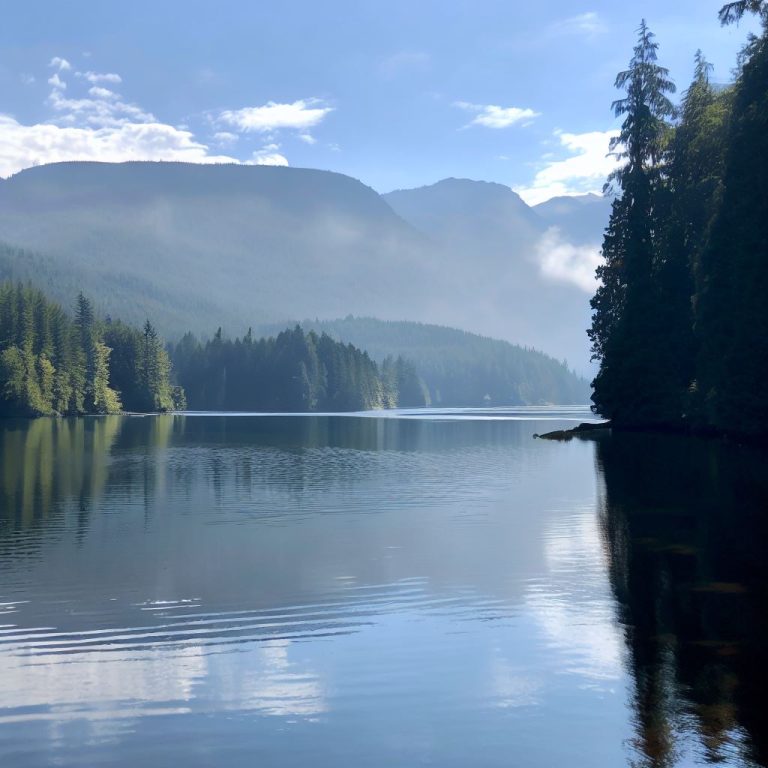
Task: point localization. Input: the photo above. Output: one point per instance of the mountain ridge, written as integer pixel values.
(195, 246)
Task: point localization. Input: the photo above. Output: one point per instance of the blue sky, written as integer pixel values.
(397, 94)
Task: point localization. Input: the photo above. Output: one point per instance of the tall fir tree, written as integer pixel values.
(626, 337)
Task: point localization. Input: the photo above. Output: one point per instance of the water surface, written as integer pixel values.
(405, 588)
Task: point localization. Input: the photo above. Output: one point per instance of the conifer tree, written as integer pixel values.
(625, 337)
(732, 12)
(732, 311)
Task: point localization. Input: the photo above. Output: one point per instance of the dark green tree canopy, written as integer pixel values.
(680, 323)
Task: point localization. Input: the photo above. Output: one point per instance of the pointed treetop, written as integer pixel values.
(645, 81)
(149, 330)
(702, 69)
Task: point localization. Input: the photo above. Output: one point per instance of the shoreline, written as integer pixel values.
(588, 429)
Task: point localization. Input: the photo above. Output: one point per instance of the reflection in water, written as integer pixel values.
(438, 588)
(685, 527)
(33, 475)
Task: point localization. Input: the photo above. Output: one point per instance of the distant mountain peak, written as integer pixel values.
(459, 188)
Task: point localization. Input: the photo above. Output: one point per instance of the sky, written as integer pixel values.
(398, 94)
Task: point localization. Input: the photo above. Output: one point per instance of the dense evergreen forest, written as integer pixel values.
(293, 371)
(458, 368)
(52, 363)
(680, 323)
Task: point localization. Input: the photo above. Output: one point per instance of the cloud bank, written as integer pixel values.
(560, 260)
(97, 123)
(584, 170)
(24, 146)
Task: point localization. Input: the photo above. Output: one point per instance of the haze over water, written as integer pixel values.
(409, 588)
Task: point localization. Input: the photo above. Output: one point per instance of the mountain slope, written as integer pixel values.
(221, 244)
(581, 218)
(499, 238)
(460, 368)
(461, 207)
(195, 247)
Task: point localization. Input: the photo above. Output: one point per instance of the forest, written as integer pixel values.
(458, 368)
(680, 320)
(52, 363)
(293, 371)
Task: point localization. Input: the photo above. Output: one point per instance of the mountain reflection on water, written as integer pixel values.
(401, 588)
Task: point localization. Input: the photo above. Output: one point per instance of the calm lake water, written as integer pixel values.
(402, 589)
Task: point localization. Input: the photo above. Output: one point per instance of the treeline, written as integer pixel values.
(458, 368)
(680, 323)
(293, 371)
(53, 363)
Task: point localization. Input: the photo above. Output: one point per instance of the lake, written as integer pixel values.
(383, 589)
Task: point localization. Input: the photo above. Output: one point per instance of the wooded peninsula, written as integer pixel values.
(680, 319)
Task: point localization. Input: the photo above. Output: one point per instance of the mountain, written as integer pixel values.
(457, 367)
(581, 218)
(479, 210)
(198, 246)
(513, 260)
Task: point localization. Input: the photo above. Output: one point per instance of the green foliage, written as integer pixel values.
(732, 311)
(293, 371)
(680, 321)
(400, 376)
(105, 399)
(53, 364)
(457, 368)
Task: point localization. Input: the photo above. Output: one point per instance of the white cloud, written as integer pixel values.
(59, 64)
(269, 155)
(97, 111)
(585, 24)
(101, 93)
(585, 170)
(98, 127)
(56, 82)
(96, 123)
(300, 115)
(101, 77)
(23, 146)
(225, 138)
(27, 79)
(562, 261)
(494, 116)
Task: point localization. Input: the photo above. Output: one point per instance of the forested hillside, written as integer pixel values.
(195, 247)
(681, 320)
(459, 368)
(52, 363)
